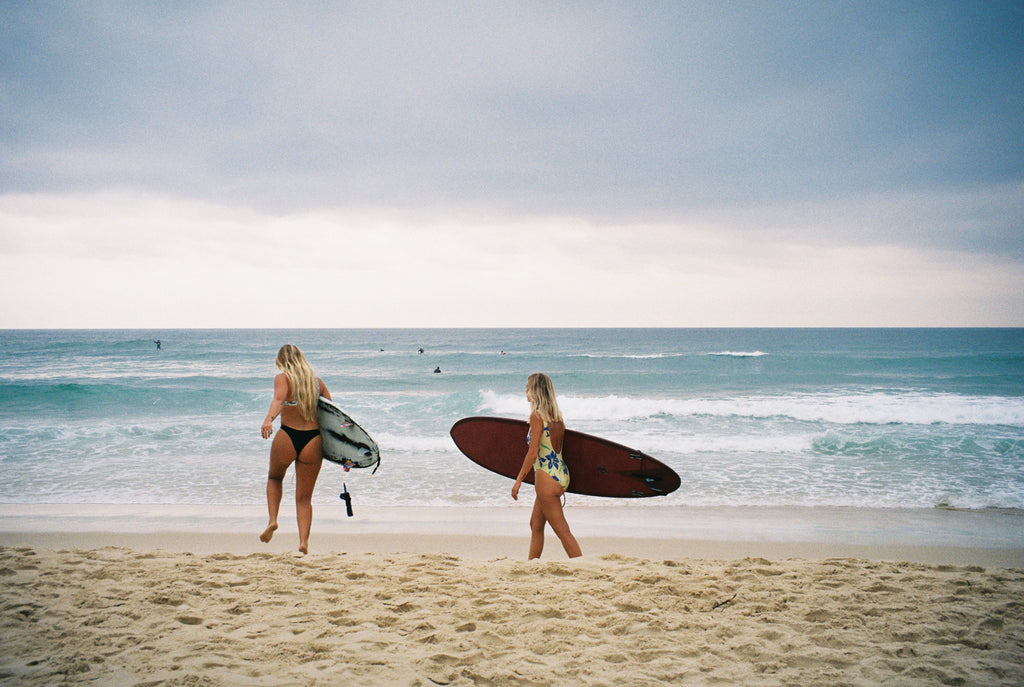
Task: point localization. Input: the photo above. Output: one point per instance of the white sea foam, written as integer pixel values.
(837, 408)
(412, 443)
(740, 354)
(659, 444)
(628, 356)
(649, 440)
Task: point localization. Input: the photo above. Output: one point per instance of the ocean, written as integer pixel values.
(857, 418)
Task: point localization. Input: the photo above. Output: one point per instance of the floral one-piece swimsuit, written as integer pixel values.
(550, 461)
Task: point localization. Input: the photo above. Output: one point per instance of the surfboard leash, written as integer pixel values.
(347, 498)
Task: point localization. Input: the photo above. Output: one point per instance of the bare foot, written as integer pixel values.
(304, 549)
(268, 533)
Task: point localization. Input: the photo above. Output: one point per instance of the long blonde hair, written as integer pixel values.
(541, 393)
(302, 379)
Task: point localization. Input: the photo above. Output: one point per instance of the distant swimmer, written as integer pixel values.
(421, 351)
(504, 353)
(437, 370)
(158, 344)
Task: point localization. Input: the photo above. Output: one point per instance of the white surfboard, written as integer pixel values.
(344, 441)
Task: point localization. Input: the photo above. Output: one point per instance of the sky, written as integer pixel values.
(514, 164)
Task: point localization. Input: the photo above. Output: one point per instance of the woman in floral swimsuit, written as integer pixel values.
(544, 457)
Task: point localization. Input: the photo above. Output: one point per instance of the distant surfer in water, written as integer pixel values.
(550, 474)
(296, 391)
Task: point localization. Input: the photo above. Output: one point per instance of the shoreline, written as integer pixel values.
(498, 547)
(939, 536)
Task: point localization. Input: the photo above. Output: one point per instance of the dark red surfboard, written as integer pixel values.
(597, 467)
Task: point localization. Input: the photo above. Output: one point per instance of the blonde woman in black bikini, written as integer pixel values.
(544, 457)
(296, 391)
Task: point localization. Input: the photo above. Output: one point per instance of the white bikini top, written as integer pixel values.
(295, 403)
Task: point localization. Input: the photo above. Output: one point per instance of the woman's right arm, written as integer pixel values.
(280, 396)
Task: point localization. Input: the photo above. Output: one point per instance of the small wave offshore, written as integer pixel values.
(740, 354)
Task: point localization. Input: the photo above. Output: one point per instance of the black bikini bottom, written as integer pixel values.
(300, 437)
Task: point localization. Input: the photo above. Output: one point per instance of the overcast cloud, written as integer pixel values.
(462, 163)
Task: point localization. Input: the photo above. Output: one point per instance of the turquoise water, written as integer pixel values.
(776, 417)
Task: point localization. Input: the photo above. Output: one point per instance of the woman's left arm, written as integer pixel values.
(536, 427)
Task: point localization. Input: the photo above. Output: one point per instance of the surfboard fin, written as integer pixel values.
(650, 481)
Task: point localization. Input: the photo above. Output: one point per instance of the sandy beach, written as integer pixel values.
(99, 604)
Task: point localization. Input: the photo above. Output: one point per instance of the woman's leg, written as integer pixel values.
(537, 522)
(282, 453)
(549, 495)
(307, 468)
